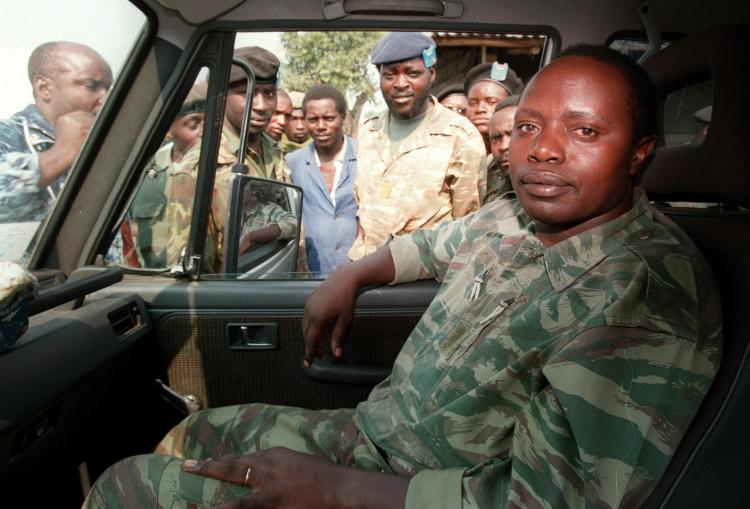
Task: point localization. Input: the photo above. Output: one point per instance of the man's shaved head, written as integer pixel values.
(67, 77)
(44, 60)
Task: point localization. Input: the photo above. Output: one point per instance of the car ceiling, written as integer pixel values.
(574, 20)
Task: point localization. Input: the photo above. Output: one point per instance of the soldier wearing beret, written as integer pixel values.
(419, 163)
(263, 156)
(486, 85)
(453, 96)
(150, 204)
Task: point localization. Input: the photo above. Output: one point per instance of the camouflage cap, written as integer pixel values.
(265, 65)
(495, 72)
(296, 98)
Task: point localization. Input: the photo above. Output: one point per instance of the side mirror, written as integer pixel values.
(263, 228)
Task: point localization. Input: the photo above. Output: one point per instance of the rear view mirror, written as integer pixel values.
(263, 228)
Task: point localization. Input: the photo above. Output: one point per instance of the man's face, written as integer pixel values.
(405, 86)
(456, 102)
(186, 130)
(324, 122)
(296, 130)
(281, 116)
(264, 104)
(572, 155)
(501, 127)
(483, 97)
(79, 83)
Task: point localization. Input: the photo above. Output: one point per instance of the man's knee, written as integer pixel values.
(155, 481)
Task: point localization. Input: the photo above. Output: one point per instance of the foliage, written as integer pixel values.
(341, 59)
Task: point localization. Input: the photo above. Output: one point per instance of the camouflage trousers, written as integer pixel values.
(158, 481)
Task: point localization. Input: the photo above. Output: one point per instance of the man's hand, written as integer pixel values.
(284, 479)
(331, 306)
(71, 130)
(279, 477)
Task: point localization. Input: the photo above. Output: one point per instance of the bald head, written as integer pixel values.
(45, 59)
(67, 77)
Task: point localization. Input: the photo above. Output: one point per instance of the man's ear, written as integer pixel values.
(42, 88)
(643, 149)
(432, 74)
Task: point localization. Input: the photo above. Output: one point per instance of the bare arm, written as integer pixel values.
(331, 306)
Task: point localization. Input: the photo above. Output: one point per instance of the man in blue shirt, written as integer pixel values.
(326, 171)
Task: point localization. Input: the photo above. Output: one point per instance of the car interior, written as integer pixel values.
(114, 357)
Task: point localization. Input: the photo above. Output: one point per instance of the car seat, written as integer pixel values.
(711, 465)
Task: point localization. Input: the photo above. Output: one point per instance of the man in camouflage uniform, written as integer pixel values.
(486, 85)
(264, 221)
(501, 128)
(571, 342)
(419, 163)
(149, 206)
(39, 144)
(263, 156)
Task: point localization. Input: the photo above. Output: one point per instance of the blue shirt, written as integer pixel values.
(22, 137)
(329, 229)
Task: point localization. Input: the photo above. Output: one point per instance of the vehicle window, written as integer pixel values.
(281, 131)
(687, 112)
(56, 79)
(154, 232)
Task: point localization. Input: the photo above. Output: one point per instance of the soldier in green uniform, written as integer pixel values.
(574, 335)
(149, 205)
(263, 156)
(263, 220)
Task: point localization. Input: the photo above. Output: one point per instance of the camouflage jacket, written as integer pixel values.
(267, 214)
(498, 181)
(181, 192)
(437, 175)
(148, 209)
(287, 146)
(546, 377)
(22, 137)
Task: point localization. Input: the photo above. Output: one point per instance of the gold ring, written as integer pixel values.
(247, 474)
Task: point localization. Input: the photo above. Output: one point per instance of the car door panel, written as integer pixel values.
(192, 320)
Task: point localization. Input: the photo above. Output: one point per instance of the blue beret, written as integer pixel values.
(399, 46)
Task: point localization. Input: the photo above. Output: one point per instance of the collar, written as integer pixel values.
(568, 260)
(163, 157)
(231, 145)
(37, 120)
(338, 159)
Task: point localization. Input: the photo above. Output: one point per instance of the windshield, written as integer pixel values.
(60, 60)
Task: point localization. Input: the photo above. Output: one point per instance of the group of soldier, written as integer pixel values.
(415, 165)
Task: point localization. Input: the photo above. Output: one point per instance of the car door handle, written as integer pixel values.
(324, 369)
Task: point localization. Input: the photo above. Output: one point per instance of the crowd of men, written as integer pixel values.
(416, 165)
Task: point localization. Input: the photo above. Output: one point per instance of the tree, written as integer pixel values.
(340, 59)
